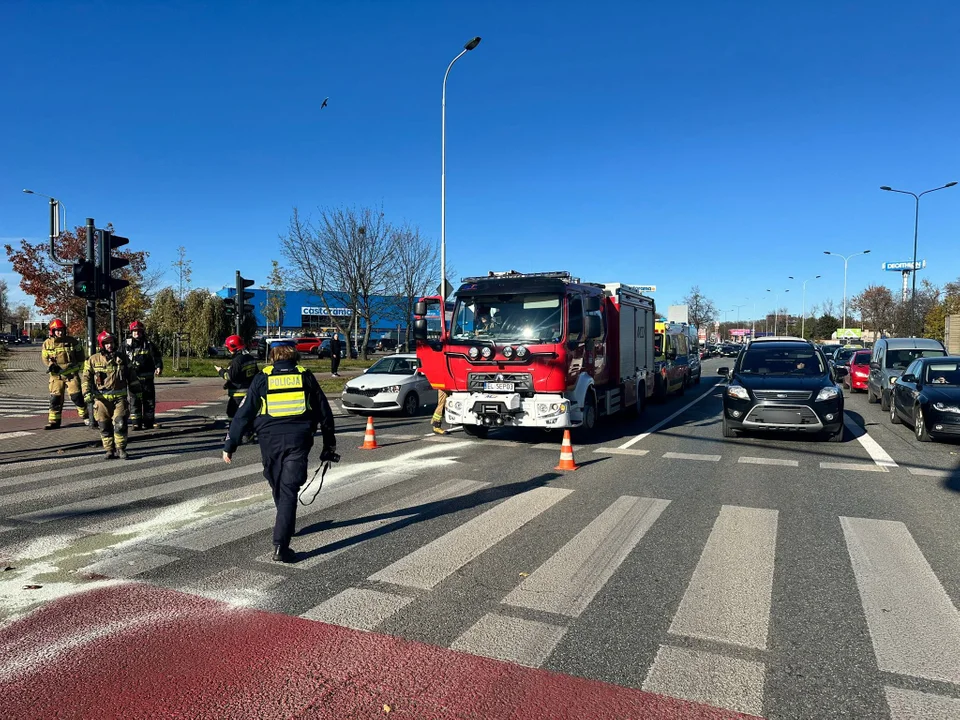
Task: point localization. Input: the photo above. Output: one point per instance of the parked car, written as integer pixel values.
(308, 344)
(859, 368)
(927, 396)
(391, 384)
(323, 350)
(783, 386)
(890, 358)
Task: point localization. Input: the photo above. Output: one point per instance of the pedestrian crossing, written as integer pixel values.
(713, 644)
(25, 407)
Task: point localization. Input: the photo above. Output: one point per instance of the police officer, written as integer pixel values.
(106, 377)
(239, 374)
(63, 355)
(147, 363)
(286, 406)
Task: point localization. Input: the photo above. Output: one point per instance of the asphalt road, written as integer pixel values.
(774, 576)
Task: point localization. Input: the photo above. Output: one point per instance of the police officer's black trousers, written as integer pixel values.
(285, 457)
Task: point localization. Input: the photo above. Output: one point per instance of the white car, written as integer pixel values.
(391, 384)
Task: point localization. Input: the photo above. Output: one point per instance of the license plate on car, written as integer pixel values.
(498, 387)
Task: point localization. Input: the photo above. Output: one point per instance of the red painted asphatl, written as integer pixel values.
(135, 651)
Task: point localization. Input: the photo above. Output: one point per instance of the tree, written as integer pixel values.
(700, 309)
(197, 321)
(163, 320)
(416, 267)
(21, 315)
(949, 304)
(184, 271)
(4, 305)
(275, 287)
(826, 326)
(877, 306)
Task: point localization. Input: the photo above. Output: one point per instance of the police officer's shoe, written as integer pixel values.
(283, 554)
(122, 454)
(53, 425)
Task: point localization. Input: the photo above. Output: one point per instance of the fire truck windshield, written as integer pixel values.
(509, 318)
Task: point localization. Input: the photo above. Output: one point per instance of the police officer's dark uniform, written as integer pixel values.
(147, 363)
(285, 405)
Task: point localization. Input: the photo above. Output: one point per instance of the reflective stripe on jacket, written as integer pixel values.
(286, 396)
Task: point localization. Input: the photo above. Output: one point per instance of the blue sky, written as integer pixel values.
(724, 144)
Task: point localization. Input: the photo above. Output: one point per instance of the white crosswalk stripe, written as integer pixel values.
(23, 407)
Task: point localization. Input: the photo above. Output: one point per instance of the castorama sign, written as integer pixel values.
(904, 266)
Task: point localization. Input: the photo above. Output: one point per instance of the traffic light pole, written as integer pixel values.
(238, 317)
(91, 302)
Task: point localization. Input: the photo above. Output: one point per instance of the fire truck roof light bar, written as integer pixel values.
(560, 275)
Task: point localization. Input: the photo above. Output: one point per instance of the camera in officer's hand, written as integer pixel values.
(329, 455)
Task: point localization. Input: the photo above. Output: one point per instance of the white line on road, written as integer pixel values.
(641, 436)
(620, 451)
(876, 453)
(916, 705)
(865, 467)
(932, 472)
(524, 642)
(767, 461)
(10, 435)
(691, 456)
(358, 608)
(914, 627)
(728, 599)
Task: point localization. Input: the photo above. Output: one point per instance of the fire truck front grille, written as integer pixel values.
(522, 382)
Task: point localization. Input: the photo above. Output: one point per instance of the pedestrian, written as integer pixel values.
(107, 376)
(286, 406)
(63, 355)
(438, 413)
(336, 350)
(147, 363)
(238, 375)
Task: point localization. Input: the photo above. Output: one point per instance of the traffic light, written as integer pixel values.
(243, 307)
(109, 262)
(85, 279)
(229, 307)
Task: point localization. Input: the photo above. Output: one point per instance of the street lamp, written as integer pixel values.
(916, 227)
(443, 170)
(845, 261)
(738, 317)
(776, 309)
(55, 207)
(803, 307)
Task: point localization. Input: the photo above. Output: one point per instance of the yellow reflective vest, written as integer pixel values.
(286, 394)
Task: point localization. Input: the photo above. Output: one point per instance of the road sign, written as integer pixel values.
(449, 291)
(906, 266)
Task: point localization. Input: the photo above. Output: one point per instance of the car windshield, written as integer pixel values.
(509, 318)
(394, 366)
(899, 359)
(943, 373)
(861, 358)
(843, 356)
(802, 360)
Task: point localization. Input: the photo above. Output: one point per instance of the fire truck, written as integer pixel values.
(538, 350)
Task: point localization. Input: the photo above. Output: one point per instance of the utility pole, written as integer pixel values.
(91, 302)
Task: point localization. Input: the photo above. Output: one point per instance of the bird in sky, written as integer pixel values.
(324, 104)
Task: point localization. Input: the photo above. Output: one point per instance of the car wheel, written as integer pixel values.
(884, 401)
(894, 418)
(836, 436)
(476, 431)
(920, 426)
(728, 432)
(411, 404)
(871, 398)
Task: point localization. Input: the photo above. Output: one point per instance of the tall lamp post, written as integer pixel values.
(776, 308)
(443, 172)
(55, 227)
(738, 317)
(916, 228)
(803, 304)
(846, 259)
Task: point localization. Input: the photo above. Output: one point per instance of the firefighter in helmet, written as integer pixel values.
(107, 376)
(286, 406)
(147, 363)
(63, 355)
(238, 375)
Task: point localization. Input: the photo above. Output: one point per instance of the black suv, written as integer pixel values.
(783, 385)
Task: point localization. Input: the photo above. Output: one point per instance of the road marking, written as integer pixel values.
(914, 627)
(916, 705)
(235, 586)
(691, 456)
(524, 642)
(767, 461)
(426, 567)
(707, 678)
(620, 451)
(876, 453)
(567, 582)
(68, 467)
(11, 435)
(358, 609)
(128, 564)
(865, 467)
(641, 436)
(728, 599)
(407, 509)
(931, 472)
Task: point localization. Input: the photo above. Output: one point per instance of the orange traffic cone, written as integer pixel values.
(566, 454)
(370, 436)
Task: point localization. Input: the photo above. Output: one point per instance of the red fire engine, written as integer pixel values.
(539, 350)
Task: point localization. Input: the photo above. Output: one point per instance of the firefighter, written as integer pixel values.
(147, 363)
(238, 375)
(106, 377)
(63, 355)
(286, 406)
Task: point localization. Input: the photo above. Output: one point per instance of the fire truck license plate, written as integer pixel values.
(498, 386)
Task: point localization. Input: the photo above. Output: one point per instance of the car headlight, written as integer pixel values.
(474, 353)
(487, 352)
(392, 389)
(736, 391)
(942, 407)
(827, 393)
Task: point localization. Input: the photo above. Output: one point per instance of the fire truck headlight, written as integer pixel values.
(521, 352)
(542, 408)
(474, 353)
(487, 352)
(508, 352)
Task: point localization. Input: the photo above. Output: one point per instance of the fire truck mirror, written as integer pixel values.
(593, 327)
(420, 308)
(591, 304)
(420, 329)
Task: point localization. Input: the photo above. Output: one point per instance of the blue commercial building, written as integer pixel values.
(304, 311)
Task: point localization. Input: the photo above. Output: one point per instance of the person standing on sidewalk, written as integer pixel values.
(336, 351)
(286, 406)
(147, 363)
(107, 376)
(63, 355)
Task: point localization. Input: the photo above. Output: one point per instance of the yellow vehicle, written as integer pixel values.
(671, 359)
